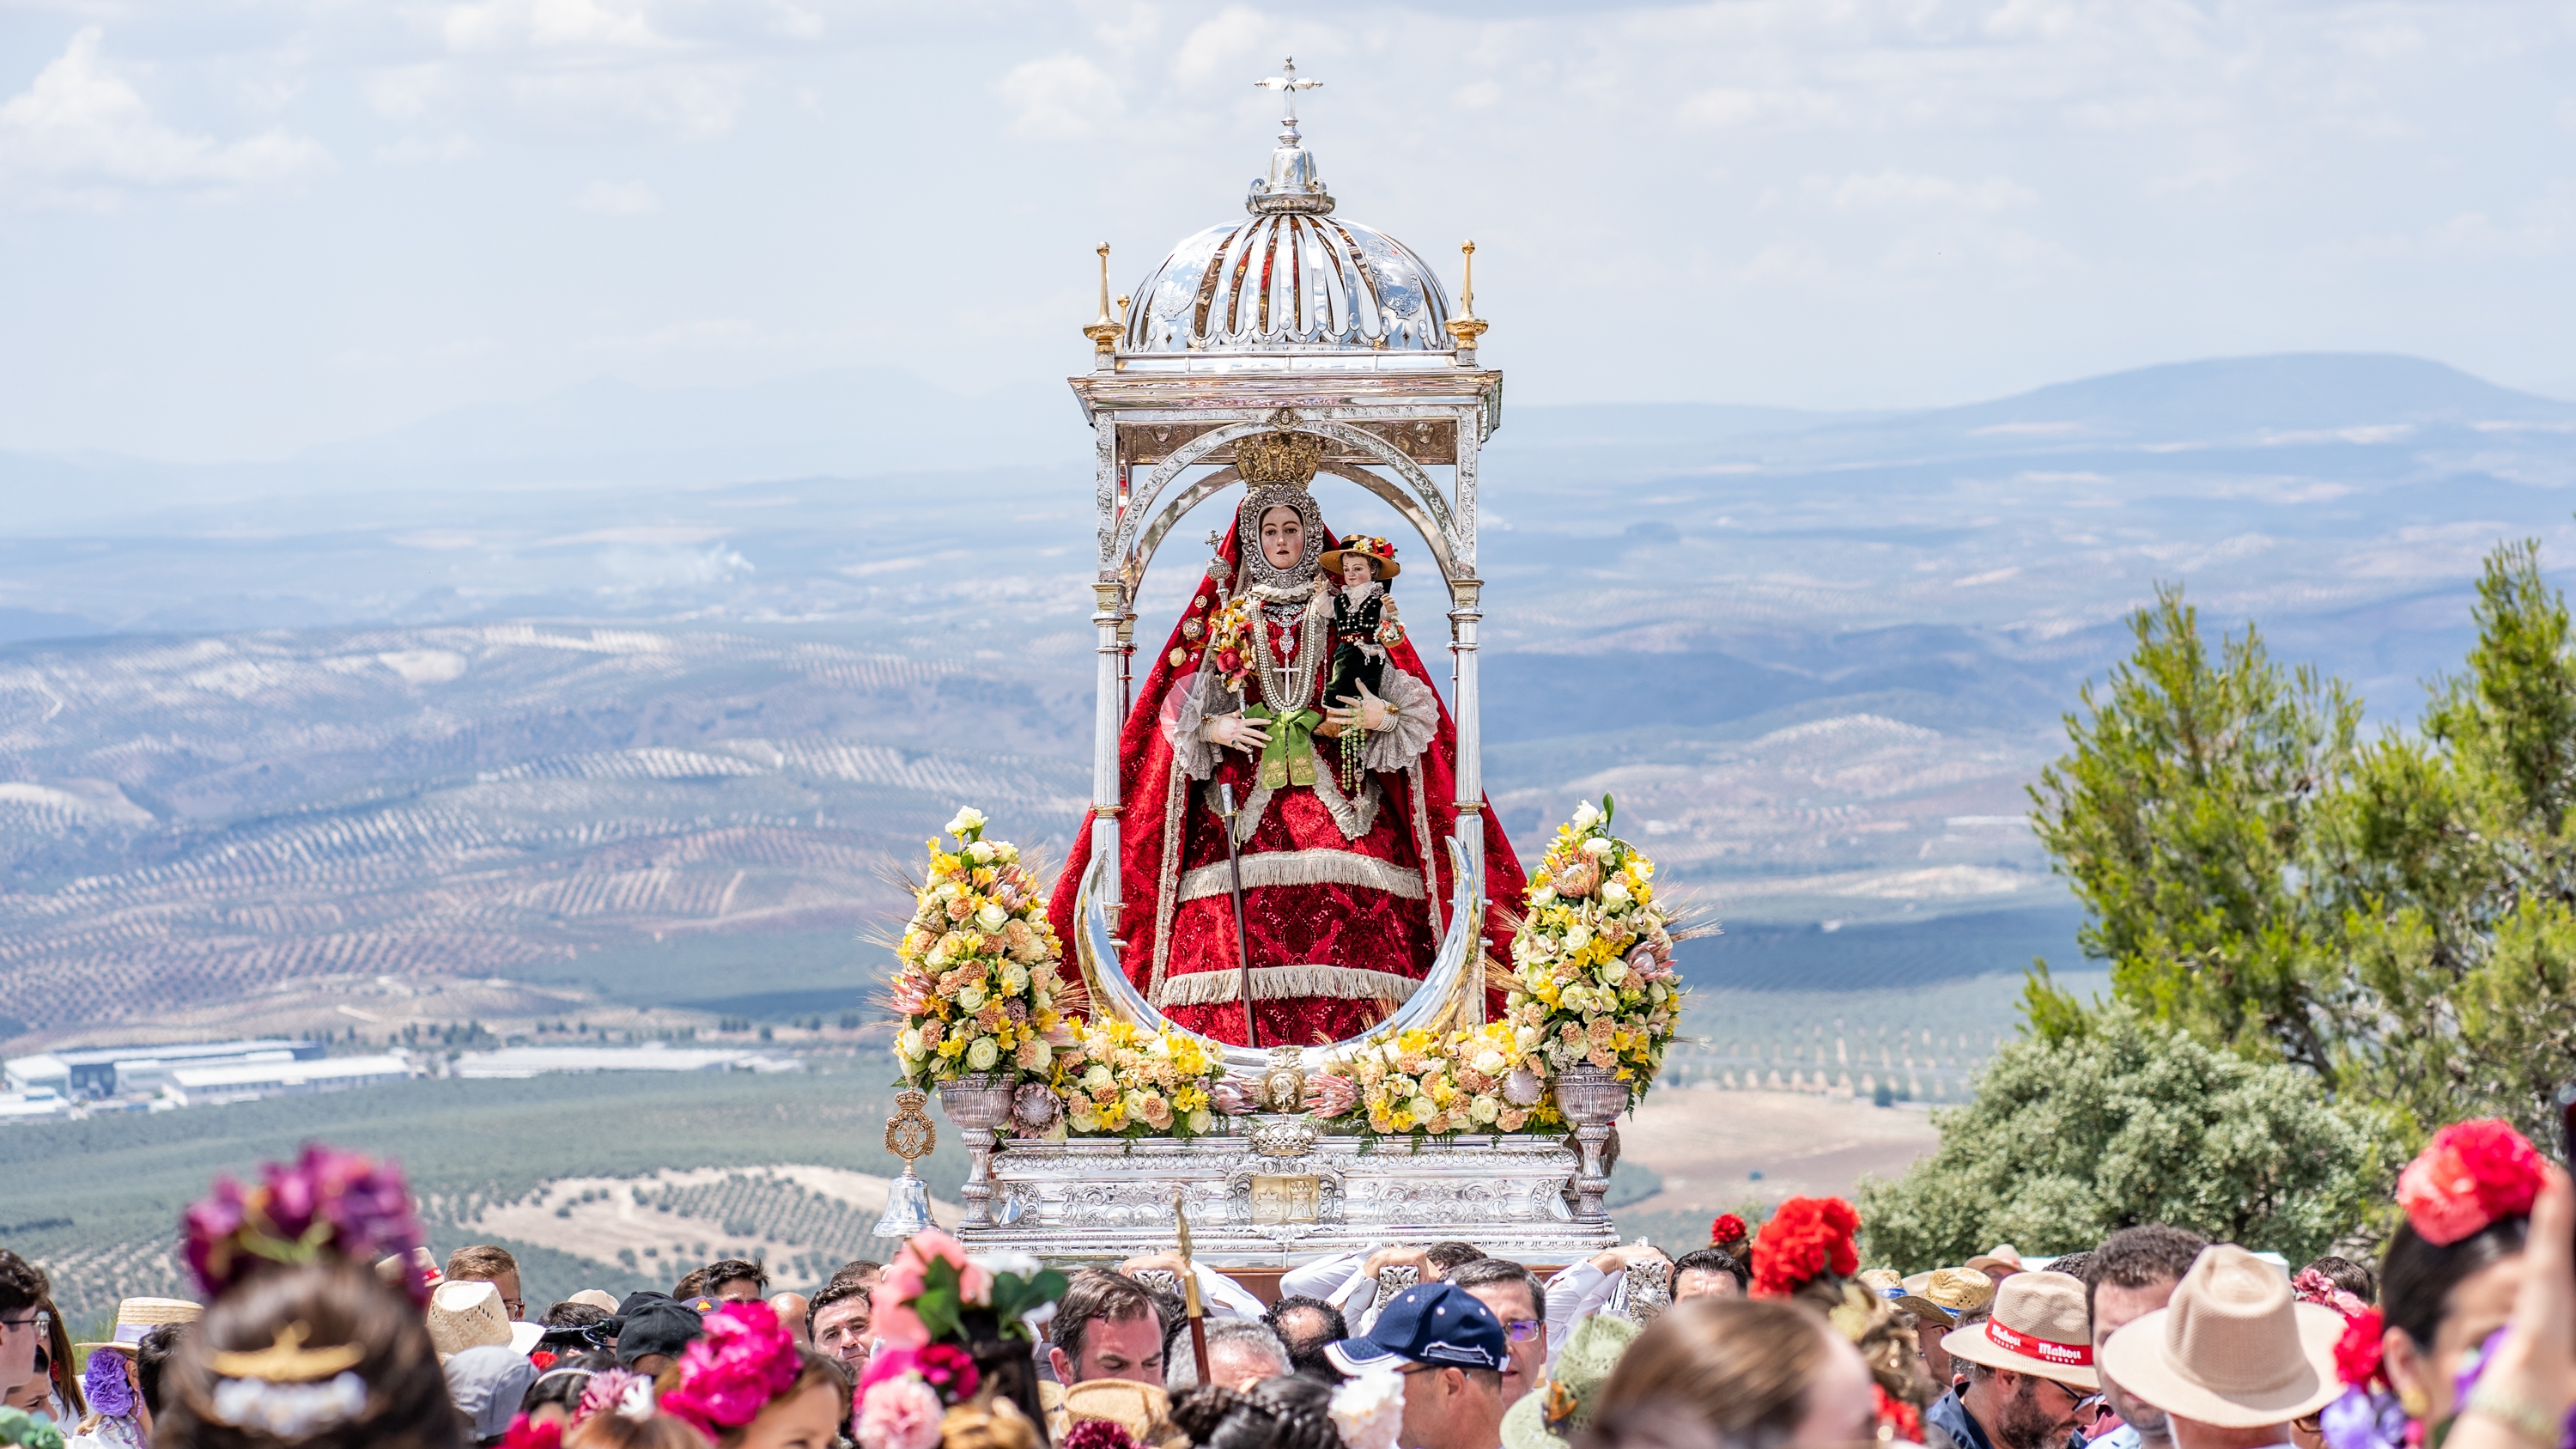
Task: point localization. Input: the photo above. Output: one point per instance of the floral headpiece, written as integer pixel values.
(1726, 1232)
(2471, 1175)
(728, 1374)
(922, 1367)
(2314, 1287)
(326, 1204)
(1806, 1239)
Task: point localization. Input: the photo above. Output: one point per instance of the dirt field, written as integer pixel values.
(1707, 1144)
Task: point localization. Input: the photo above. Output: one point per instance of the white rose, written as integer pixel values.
(1586, 815)
(1578, 936)
(1489, 1061)
(982, 1054)
(1542, 895)
(907, 1044)
(1486, 1109)
(966, 819)
(1423, 1109)
(1200, 1121)
(1084, 1119)
(1015, 978)
(1599, 845)
(1656, 993)
(1525, 1038)
(1137, 1101)
(992, 917)
(980, 853)
(947, 890)
(1615, 893)
(1098, 1076)
(1613, 973)
(970, 997)
(1008, 853)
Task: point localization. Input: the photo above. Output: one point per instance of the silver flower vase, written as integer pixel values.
(1591, 1098)
(978, 1102)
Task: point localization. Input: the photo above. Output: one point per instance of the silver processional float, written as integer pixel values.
(1348, 340)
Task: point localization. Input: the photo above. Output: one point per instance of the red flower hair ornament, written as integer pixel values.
(1726, 1232)
(2356, 1354)
(1807, 1238)
(2471, 1175)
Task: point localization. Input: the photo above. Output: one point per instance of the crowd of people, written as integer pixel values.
(325, 1323)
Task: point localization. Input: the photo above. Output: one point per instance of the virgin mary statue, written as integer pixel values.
(1347, 882)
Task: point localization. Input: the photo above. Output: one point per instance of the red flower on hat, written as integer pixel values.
(2470, 1175)
(1727, 1230)
(2357, 1352)
(1807, 1238)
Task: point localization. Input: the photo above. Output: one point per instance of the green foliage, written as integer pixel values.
(2181, 816)
(2396, 917)
(2130, 1121)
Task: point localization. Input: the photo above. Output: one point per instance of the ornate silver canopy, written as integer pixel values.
(1291, 278)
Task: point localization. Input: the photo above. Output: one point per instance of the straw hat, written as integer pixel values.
(2040, 1327)
(1375, 548)
(1953, 1290)
(596, 1298)
(2234, 1348)
(136, 1317)
(466, 1313)
(1549, 1416)
(2001, 1255)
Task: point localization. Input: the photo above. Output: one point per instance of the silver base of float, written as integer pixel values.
(1278, 1195)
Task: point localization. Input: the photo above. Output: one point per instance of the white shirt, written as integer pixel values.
(1574, 1294)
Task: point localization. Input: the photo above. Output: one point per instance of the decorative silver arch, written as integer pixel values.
(1149, 539)
(1120, 543)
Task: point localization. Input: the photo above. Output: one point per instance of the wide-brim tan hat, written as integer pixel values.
(597, 1298)
(466, 1313)
(1331, 562)
(136, 1317)
(2040, 1326)
(1957, 1290)
(2234, 1348)
(2001, 1255)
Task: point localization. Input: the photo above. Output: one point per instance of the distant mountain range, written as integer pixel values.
(629, 649)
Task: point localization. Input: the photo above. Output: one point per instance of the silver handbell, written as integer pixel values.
(907, 1209)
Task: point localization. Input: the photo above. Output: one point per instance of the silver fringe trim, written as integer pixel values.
(1286, 983)
(1305, 867)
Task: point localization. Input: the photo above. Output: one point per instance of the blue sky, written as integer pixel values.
(233, 229)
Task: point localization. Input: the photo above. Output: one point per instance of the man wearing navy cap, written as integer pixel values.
(1452, 1352)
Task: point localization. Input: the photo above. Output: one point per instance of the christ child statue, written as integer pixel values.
(1364, 622)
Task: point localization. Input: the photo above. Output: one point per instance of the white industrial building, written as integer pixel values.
(249, 1081)
(142, 1069)
(650, 1057)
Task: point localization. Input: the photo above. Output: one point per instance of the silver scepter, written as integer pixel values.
(1242, 939)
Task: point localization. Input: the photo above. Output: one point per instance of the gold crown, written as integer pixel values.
(1279, 458)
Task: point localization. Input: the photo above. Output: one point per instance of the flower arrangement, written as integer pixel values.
(1119, 1080)
(1422, 1084)
(1592, 976)
(931, 1302)
(1807, 1238)
(1230, 643)
(728, 1374)
(325, 1203)
(2470, 1175)
(978, 986)
(1368, 1409)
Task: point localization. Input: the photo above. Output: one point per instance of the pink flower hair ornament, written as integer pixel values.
(924, 1295)
(729, 1374)
(325, 1204)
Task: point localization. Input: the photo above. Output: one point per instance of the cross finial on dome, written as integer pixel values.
(1288, 85)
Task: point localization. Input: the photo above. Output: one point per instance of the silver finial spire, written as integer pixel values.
(1288, 85)
(1291, 185)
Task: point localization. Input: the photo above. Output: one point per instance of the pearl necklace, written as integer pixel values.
(1294, 683)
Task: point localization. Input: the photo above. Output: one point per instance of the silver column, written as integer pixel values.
(1463, 617)
(1109, 611)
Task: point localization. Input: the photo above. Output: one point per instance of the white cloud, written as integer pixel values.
(1727, 108)
(1227, 45)
(617, 198)
(551, 25)
(85, 137)
(1898, 189)
(1060, 97)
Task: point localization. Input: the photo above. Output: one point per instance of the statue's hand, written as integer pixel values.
(1364, 711)
(1234, 732)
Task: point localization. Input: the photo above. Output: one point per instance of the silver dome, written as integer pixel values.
(1287, 281)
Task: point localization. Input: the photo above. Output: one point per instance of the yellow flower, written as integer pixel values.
(953, 1046)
